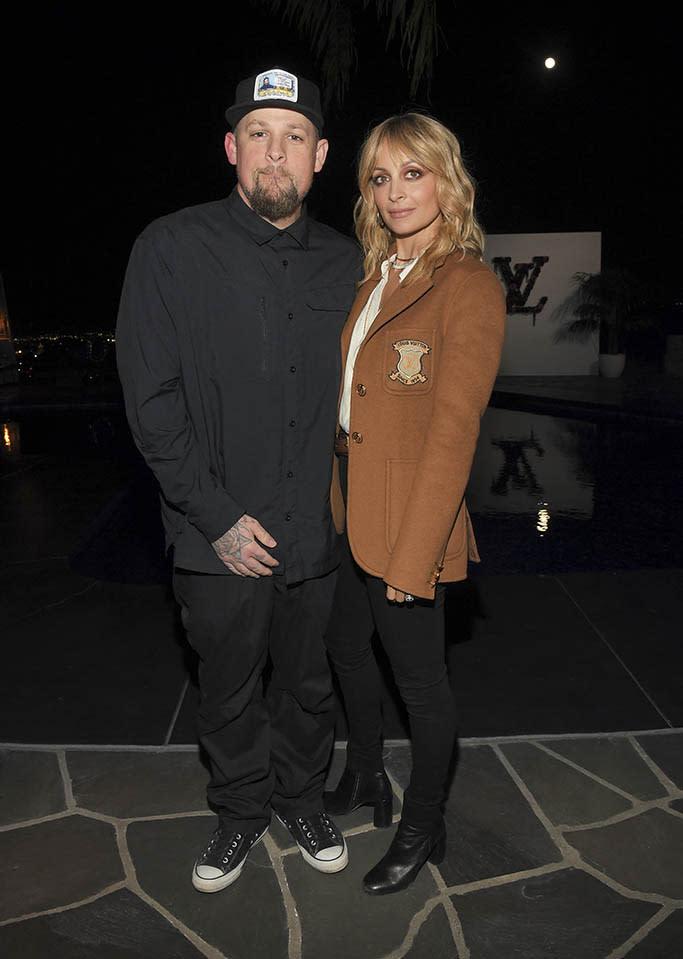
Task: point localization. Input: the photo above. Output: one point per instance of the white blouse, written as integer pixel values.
(365, 320)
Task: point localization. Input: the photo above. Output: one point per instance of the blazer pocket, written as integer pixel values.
(398, 483)
(408, 361)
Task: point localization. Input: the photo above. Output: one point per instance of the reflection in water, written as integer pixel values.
(516, 471)
(526, 461)
(543, 519)
(612, 494)
(10, 439)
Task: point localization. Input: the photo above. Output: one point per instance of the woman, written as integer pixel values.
(420, 351)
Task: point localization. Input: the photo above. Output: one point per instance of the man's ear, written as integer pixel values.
(320, 155)
(231, 148)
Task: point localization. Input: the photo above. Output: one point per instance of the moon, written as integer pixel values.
(550, 63)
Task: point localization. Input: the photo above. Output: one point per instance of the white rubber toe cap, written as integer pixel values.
(208, 872)
(332, 852)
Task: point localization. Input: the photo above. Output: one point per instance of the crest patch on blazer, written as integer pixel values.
(409, 365)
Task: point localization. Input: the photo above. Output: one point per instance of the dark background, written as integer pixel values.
(114, 116)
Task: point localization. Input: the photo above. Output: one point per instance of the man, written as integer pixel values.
(227, 345)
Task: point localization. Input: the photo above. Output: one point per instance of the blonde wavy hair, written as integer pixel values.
(426, 141)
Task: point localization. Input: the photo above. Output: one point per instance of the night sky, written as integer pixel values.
(114, 116)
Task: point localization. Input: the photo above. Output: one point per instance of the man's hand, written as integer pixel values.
(240, 550)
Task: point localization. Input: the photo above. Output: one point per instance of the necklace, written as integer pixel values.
(399, 262)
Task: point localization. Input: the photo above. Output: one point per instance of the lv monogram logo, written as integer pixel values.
(520, 283)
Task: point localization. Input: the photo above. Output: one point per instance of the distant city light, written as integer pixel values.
(550, 63)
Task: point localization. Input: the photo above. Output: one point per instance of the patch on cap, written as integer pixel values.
(276, 85)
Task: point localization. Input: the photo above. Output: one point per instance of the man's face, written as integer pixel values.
(276, 153)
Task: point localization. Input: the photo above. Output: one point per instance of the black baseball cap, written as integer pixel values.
(276, 88)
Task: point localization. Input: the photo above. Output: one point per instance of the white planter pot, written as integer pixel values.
(611, 365)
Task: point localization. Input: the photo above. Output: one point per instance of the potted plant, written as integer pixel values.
(606, 305)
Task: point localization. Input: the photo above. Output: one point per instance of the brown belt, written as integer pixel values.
(341, 443)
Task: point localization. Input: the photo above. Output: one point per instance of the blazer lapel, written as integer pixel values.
(399, 301)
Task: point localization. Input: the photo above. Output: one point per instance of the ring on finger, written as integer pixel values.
(409, 598)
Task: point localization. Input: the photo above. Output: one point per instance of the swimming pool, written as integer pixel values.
(547, 494)
(551, 494)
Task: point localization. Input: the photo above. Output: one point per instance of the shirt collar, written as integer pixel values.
(260, 230)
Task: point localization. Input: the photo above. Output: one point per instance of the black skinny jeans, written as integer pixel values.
(414, 639)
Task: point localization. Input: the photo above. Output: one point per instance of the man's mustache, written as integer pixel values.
(277, 172)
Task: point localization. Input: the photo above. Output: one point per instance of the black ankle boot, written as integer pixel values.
(412, 846)
(362, 789)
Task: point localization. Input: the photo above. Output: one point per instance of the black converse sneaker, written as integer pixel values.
(320, 842)
(221, 863)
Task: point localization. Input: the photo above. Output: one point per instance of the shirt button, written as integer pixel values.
(292, 422)
(357, 437)
(285, 262)
(289, 474)
(290, 316)
(292, 369)
(360, 389)
(288, 517)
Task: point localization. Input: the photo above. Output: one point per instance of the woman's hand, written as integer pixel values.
(397, 596)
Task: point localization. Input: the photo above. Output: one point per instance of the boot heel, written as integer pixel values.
(439, 851)
(383, 813)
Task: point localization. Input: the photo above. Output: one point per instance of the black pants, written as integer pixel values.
(264, 749)
(414, 639)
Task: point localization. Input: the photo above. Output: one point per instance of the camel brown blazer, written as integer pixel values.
(421, 382)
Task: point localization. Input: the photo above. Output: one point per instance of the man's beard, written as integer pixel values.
(274, 203)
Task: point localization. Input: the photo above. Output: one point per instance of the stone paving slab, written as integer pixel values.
(615, 759)
(513, 883)
(563, 915)
(643, 853)
(117, 926)
(56, 863)
(662, 942)
(492, 830)
(129, 784)
(339, 920)
(667, 752)
(31, 786)
(566, 795)
(434, 939)
(244, 921)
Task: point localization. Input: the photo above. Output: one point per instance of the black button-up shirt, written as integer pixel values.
(228, 352)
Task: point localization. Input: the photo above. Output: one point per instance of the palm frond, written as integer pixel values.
(416, 23)
(328, 27)
(610, 302)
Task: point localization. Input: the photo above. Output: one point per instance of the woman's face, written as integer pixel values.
(405, 194)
